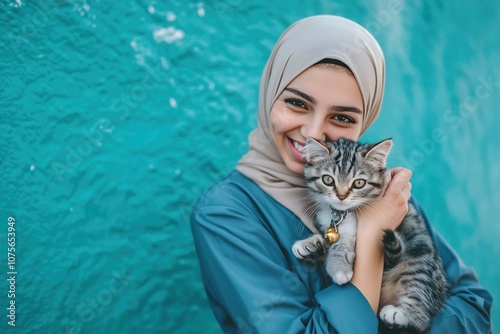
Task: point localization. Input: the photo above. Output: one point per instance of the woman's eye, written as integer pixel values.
(296, 103)
(328, 180)
(358, 184)
(344, 119)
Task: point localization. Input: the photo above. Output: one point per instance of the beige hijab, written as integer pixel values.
(303, 44)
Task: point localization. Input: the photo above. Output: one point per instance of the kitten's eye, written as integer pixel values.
(359, 183)
(328, 180)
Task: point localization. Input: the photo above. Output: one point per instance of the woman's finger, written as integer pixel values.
(407, 190)
(400, 179)
(396, 170)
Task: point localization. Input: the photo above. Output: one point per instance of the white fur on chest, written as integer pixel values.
(347, 227)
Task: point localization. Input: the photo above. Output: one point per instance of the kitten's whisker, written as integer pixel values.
(371, 208)
(311, 208)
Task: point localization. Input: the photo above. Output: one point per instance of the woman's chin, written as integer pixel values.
(295, 166)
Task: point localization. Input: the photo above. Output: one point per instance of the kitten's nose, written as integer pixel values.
(342, 197)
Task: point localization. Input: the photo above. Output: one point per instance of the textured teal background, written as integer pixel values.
(115, 115)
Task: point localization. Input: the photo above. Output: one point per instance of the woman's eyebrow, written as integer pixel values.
(303, 95)
(313, 101)
(347, 109)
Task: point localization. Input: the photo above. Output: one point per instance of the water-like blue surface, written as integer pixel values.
(115, 116)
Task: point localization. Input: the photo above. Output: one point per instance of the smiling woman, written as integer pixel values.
(244, 226)
(323, 102)
(116, 116)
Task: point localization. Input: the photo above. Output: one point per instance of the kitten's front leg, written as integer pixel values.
(340, 261)
(311, 248)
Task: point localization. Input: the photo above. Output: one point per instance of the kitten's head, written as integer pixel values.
(346, 174)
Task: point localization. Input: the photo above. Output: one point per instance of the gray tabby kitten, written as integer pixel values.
(347, 175)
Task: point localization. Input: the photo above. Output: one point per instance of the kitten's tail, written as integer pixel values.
(393, 249)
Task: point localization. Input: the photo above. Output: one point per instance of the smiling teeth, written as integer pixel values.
(297, 146)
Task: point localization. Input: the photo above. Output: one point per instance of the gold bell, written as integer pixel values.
(331, 235)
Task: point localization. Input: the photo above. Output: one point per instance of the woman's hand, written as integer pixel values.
(386, 212)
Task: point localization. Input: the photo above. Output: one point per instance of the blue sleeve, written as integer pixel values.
(252, 288)
(467, 309)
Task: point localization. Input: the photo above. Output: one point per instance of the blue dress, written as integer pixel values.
(254, 283)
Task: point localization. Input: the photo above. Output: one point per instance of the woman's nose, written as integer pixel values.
(315, 128)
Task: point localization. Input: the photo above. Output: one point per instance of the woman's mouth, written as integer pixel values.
(295, 148)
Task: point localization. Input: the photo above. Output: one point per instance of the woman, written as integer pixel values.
(324, 79)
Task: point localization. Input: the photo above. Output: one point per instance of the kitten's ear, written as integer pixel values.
(314, 152)
(378, 152)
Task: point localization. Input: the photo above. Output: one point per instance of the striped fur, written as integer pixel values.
(414, 285)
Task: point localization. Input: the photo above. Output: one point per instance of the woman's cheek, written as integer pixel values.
(281, 121)
(336, 132)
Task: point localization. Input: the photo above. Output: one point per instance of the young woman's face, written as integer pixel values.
(323, 103)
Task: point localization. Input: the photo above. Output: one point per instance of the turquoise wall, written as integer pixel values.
(116, 115)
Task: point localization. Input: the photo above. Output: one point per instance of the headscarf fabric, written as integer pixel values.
(303, 44)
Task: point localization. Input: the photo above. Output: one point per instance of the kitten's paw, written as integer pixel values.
(394, 316)
(342, 277)
(339, 266)
(338, 274)
(309, 248)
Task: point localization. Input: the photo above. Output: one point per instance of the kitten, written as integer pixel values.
(346, 175)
